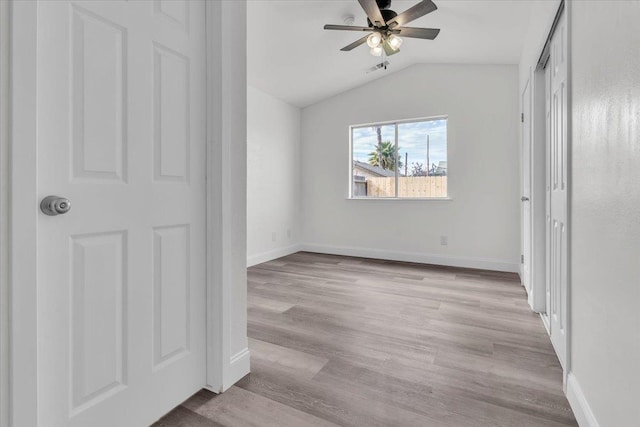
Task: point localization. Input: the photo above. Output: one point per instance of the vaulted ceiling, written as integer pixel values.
(292, 57)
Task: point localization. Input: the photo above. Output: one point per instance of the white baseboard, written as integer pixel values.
(530, 301)
(269, 255)
(448, 260)
(239, 366)
(545, 322)
(579, 404)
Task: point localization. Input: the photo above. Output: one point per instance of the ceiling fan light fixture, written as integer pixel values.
(374, 40)
(394, 42)
(376, 51)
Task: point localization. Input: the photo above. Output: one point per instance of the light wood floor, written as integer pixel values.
(356, 342)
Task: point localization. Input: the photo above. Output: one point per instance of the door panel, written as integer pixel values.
(121, 289)
(557, 191)
(98, 96)
(171, 259)
(171, 114)
(98, 319)
(176, 12)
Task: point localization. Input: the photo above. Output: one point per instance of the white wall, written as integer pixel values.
(482, 219)
(273, 177)
(605, 207)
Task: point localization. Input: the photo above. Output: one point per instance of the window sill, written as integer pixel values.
(402, 199)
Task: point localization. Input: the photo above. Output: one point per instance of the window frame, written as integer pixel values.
(396, 123)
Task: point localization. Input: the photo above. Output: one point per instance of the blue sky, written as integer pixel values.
(412, 140)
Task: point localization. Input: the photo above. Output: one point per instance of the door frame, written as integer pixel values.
(4, 225)
(537, 299)
(526, 275)
(226, 203)
(537, 194)
(567, 369)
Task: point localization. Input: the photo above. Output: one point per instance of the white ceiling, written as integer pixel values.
(292, 57)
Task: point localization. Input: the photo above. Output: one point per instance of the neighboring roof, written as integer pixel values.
(442, 166)
(376, 170)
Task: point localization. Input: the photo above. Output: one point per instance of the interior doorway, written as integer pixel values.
(526, 190)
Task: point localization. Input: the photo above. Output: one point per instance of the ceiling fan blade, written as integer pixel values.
(419, 33)
(373, 12)
(388, 49)
(345, 28)
(413, 13)
(355, 44)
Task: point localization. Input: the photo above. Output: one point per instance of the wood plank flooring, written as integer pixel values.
(340, 341)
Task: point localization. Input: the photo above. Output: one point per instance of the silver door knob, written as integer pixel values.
(54, 205)
(524, 199)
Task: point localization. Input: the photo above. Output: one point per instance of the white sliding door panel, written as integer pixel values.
(121, 276)
(557, 190)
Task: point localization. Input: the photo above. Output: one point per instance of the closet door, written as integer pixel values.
(558, 250)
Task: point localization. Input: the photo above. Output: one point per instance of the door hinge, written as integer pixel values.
(522, 117)
(522, 259)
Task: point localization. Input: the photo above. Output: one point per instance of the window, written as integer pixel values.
(402, 159)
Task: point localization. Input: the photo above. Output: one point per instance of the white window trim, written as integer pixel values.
(403, 199)
(350, 195)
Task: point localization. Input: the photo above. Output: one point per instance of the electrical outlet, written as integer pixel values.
(274, 236)
(444, 240)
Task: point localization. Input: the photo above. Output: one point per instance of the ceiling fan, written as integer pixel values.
(386, 26)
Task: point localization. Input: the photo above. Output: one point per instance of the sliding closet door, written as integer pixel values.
(558, 195)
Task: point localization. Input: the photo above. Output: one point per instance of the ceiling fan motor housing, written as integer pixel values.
(387, 15)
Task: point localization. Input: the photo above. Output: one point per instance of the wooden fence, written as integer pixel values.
(408, 186)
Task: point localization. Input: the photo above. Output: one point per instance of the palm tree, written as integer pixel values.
(385, 156)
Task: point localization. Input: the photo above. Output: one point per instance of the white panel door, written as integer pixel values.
(558, 265)
(121, 276)
(526, 188)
